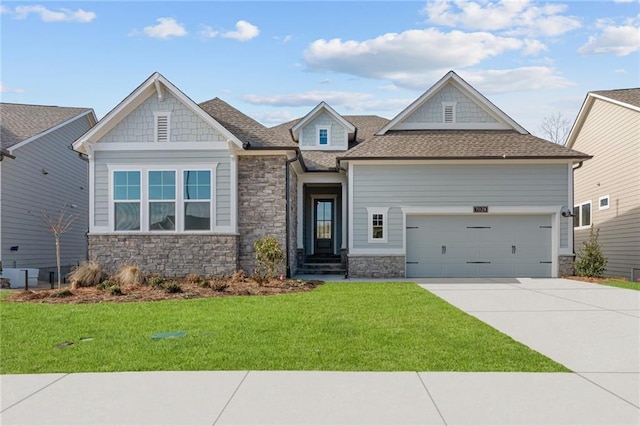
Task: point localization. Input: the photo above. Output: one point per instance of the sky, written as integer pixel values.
(276, 61)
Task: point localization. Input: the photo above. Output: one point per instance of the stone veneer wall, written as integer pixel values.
(261, 204)
(377, 266)
(565, 265)
(172, 256)
(293, 220)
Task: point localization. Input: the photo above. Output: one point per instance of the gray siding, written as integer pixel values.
(611, 134)
(185, 125)
(338, 132)
(169, 159)
(467, 111)
(26, 188)
(396, 186)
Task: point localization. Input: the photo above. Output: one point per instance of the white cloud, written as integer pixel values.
(208, 32)
(273, 118)
(6, 89)
(48, 15)
(522, 79)
(405, 57)
(244, 31)
(624, 1)
(311, 99)
(166, 28)
(620, 71)
(619, 40)
(515, 17)
(533, 47)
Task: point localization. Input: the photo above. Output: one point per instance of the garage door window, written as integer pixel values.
(377, 224)
(582, 215)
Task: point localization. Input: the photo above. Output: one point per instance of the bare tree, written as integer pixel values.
(58, 223)
(555, 128)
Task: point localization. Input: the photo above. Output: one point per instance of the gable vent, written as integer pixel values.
(162, 127)
(449, 113)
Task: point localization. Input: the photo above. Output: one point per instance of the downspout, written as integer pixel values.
(288, 214)
(573, 234)
(339, 168)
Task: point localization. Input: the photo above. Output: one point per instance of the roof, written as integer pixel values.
(627, 96)
(19, 122)
(460, 144)
(244, 127)
(322, 106)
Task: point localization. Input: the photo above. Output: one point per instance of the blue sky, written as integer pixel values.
(276, 60)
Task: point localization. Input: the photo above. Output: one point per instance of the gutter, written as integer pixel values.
(493, 157)
(5, 153)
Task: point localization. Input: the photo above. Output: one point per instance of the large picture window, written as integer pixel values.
(126, 200)
(162, 200)
(197, 200)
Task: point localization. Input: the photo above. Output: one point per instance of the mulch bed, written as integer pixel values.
(213, 287)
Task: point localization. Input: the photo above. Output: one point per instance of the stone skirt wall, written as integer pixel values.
(565, 265)
(376, 266)
(171, 256)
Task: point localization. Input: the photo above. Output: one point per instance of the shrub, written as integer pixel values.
(194, 278)
(115, 290)
(63, 293)
(238, 277)
(591, 262)
(173, 287)
(156, 281)
(105, 285)
(218, 285)
(131, 275)
(86, 274)
(269, 255)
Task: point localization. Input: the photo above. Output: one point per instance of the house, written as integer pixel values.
(452, 186)
(607, 188)
(40, 174)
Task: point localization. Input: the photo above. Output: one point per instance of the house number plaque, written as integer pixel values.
(481, 209)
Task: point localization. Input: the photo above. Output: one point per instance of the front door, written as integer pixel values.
(323, 226)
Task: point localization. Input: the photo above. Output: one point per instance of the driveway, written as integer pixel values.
(591, 329)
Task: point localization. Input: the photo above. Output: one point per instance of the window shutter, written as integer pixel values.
(162, 128)
(448, 113)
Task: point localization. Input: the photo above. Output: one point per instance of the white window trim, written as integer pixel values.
(444, 107)
(174, 201)
(156, 115)
(384, 211)
(600, 207)
(183, 201)
(577, 209)
(144, 198)
(326, 127)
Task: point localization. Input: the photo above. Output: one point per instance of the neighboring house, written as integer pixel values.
(452, 186)
(607, 188)
(39, 174)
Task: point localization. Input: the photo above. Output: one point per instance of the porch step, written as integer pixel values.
(323, 258)
(321, 268)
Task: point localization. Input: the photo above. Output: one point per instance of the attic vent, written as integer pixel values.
(162, 127)
(449, 112)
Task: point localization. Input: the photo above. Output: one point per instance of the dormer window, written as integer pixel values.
(323, 135)
(162, 126)
(449, 112)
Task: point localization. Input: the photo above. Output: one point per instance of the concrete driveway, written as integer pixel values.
(591, 329)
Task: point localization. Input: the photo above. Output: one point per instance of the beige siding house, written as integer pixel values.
(607, 188)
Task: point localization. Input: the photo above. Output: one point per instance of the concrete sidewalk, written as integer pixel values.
(310, 398)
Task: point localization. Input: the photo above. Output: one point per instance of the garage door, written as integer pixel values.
(479, 246)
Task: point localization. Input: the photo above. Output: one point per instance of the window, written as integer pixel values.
(377, 224)
(162, 200)
(126, 200)
(449, 112)
(323, 137)
(582, 215)
(197, 200)
(162, 126)
(603, 203)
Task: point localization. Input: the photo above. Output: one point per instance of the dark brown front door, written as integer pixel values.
(323, 226)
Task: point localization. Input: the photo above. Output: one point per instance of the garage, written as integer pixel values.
(478, 246)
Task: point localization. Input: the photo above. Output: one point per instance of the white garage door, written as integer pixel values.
(479, 246)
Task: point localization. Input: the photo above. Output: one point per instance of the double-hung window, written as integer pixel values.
(162, 200)
(377, 224)
(197, 200)
(126, 200)
(582, 215)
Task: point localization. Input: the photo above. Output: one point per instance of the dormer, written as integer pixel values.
(323, 129)
(452, 104)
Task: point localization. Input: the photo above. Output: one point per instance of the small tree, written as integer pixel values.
(555, 128)
(591, 262)
(58, 223)
(269, 255)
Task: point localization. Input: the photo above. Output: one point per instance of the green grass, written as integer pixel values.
(337, 327)
(613, 282)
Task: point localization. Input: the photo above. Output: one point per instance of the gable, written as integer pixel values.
(183, 124)
(337, 134)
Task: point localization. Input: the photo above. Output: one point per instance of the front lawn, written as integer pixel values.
(339, 327)
(622, 284)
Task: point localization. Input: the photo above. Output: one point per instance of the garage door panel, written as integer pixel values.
(479, 246)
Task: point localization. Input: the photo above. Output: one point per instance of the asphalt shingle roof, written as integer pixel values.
(19, 122)
(628, 96)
